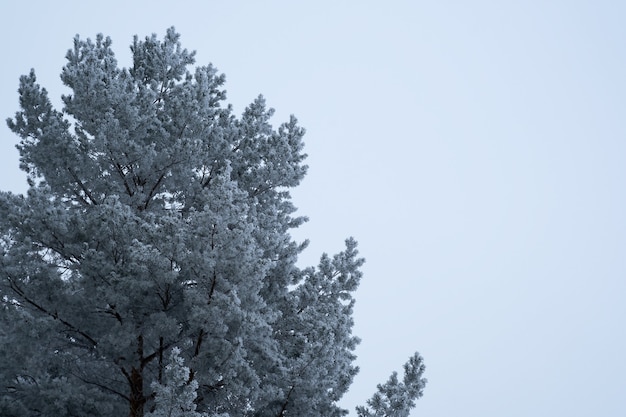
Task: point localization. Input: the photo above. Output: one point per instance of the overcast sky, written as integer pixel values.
(475, 149)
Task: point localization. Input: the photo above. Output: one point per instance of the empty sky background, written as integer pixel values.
(475, 149)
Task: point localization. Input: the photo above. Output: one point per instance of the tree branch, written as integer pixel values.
(153, 190)
(102, 386)
(82, 186)
(54, 315)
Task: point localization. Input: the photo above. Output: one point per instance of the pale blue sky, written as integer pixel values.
(475, 149)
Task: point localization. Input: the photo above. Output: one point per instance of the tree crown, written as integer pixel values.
(151, 259)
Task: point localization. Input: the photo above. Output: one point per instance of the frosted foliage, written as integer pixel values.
(150, 270)
(176, 395)
(395, 398)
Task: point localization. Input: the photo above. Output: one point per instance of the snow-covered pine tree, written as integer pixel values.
(395, 398)
(154, 242)
(175, 394)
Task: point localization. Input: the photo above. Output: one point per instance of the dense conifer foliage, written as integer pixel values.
(149, 269)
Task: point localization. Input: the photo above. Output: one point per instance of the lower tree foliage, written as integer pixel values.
(149, 269)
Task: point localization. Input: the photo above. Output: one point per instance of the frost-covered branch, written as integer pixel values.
(395, 398)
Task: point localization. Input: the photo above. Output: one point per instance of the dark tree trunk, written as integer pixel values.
(137, 399)
(135, 381)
